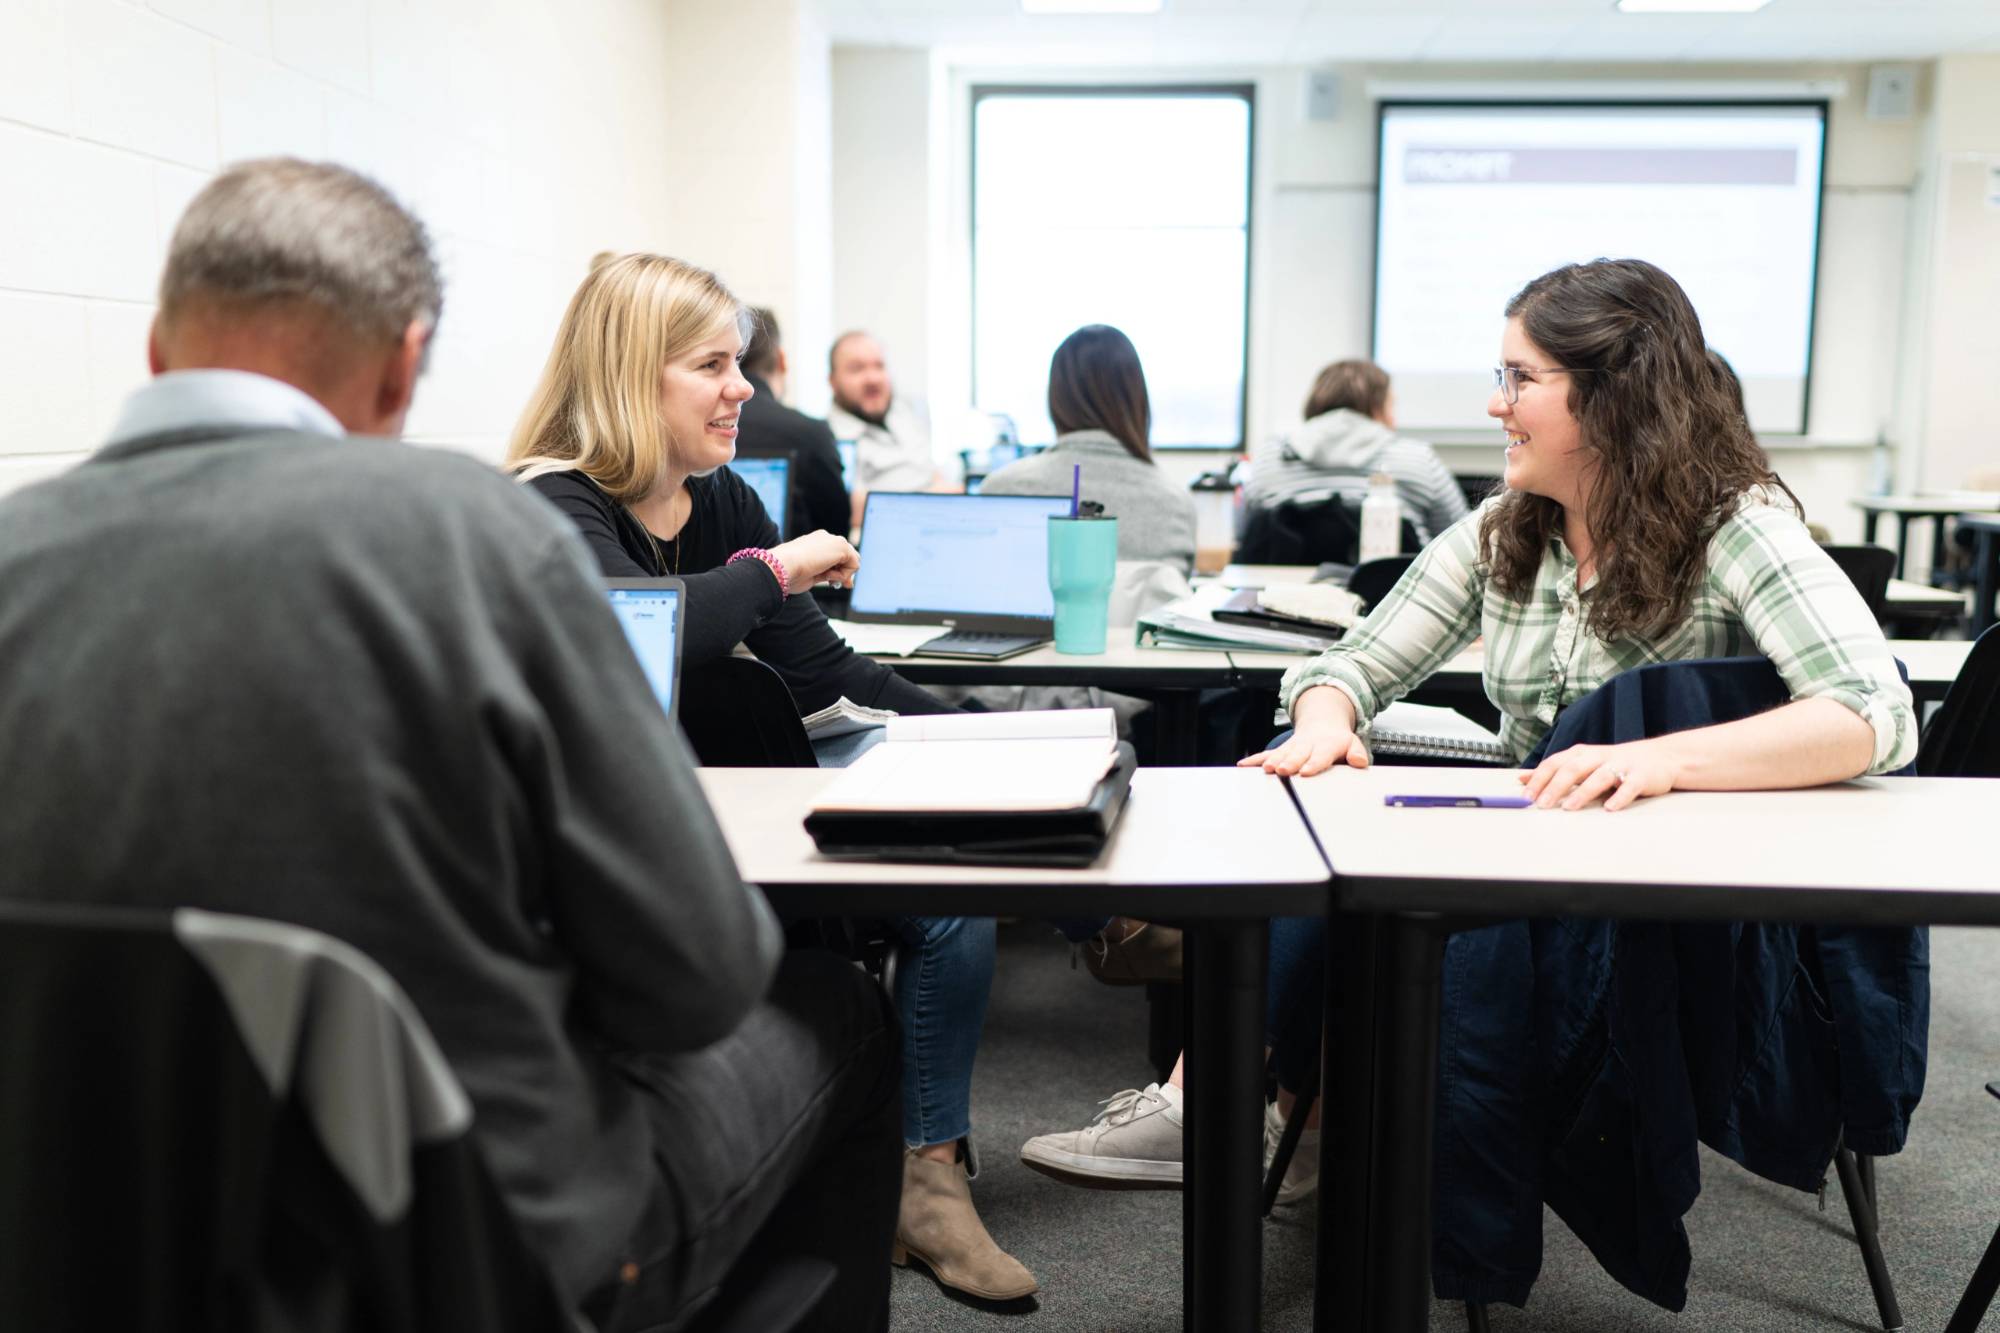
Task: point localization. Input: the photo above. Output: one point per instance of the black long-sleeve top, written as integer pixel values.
(731, 604)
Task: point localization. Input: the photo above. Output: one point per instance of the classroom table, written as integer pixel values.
(1858, 852)
(1905, 600)
(1939, 509)
(1986, 564)
(1172, 678)
(1933, 665)
(1218, 850)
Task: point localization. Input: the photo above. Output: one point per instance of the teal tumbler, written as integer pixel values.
(1083, 561)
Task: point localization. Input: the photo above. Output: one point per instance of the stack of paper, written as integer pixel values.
(843, 717)
(981, 762)
(884, 640)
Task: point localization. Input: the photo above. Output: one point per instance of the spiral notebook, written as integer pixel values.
(1424, 731)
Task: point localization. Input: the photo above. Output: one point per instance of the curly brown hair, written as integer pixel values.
(1673, 452)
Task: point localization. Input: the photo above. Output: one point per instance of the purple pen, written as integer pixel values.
(1460, 802)
(1075, 489)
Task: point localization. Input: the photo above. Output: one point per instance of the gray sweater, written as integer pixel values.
(1155, 516)
(1335, 452)
(376, 690)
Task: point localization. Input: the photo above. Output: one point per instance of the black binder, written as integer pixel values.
(1072, 837)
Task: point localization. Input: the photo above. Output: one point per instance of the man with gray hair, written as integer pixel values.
(257, 666)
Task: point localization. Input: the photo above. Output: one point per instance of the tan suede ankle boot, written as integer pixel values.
(937, 1225)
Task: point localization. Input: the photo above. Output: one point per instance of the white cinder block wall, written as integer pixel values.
(512, 126)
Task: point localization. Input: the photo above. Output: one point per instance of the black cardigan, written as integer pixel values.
(731, 604)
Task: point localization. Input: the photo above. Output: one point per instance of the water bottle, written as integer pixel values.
(1381, 519)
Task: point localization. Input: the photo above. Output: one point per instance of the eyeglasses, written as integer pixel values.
(1507, 379)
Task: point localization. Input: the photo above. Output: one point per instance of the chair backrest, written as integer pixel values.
(1871, 568)
(211, 1122)
(1299, 533)
(1963, 739)
(737, 713)
(1309, 532)
(1372, 579)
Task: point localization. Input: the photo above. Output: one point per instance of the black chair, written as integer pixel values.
(1308, 532)
(1963, 739)
(738, 713)
(179, 1146)
(1985, 1278)
(178, 1149)
(1870, 568)
(1372, 579)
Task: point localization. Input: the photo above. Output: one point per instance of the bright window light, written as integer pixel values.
(1100, 206)
(1691, 6)
(1090, 6)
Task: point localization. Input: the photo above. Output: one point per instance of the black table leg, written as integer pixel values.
(1902, 543)
(1342, 1264)
(1412, 968)
(1988, 555)
(1222, 1278)
(1868, 520)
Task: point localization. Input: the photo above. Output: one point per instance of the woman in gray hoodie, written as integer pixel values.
(1349, 434)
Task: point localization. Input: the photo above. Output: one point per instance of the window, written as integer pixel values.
(1123, 206)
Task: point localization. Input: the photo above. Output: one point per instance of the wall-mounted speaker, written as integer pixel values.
(1322, 94)
(1892, 92)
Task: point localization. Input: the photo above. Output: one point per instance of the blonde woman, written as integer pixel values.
(627, 433)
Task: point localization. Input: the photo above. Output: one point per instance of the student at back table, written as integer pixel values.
(1104, 423)
(1349, 434)
(1641, 523)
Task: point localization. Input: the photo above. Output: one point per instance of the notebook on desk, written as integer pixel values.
(770, 475)
(1033, 788)
(650, 611)
(977, 564)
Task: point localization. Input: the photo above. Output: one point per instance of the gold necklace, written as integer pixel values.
(659, 552)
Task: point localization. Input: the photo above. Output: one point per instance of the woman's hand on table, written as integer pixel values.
(1616, 774)
(1322, 736)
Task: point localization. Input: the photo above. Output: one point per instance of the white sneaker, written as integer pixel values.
(1133, 1144)
(1302, 1172)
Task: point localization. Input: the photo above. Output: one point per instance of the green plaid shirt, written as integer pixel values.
(1769, 590)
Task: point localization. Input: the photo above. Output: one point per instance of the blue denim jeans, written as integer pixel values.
(941, 989)
(1294, 997)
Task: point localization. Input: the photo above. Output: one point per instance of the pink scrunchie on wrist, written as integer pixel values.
(771, 562)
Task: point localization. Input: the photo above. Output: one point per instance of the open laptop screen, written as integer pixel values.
(650, 611)
(956, 556)
(769, 478)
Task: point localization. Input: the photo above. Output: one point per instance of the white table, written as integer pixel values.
(1217, 849)
(1933, 665)
(1860, 852)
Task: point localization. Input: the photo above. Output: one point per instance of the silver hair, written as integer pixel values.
(279, 230)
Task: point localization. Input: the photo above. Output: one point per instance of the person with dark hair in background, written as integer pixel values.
(1104, 422)
(257, 665)
(768, 426)
(1349, 434)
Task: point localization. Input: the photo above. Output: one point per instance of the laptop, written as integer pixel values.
(978, 563)
(770, 476)
(650, 611)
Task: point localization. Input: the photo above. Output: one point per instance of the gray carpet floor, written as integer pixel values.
(1765, 1257)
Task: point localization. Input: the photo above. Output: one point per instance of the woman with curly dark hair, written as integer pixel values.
(1641, 523)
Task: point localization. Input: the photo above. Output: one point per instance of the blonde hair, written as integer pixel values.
(597, 407)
